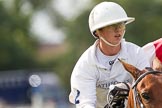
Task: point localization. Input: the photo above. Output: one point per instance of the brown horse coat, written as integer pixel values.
(149, 88)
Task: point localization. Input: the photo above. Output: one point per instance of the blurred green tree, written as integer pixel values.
(16, 44)
(18, 48)
(147, 26)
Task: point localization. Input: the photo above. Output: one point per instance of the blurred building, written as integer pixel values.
(47, 51)
(31, 89)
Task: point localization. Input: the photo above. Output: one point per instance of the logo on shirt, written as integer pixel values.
(105, 85)
(74, 96)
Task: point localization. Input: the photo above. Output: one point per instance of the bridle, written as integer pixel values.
(137, 98)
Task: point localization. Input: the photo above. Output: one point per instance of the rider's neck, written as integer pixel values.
(109, 50)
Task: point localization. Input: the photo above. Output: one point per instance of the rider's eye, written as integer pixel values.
(145, 95)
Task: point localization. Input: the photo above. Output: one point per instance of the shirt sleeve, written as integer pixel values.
(142, 59)
(83, 86)
(149, 50)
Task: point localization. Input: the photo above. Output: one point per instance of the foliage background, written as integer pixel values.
(18, 46)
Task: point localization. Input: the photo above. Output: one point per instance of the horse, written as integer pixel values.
(146, 90)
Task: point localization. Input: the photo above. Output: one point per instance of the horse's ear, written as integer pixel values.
(135, 72)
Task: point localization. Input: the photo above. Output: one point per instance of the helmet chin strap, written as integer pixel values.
(110, 44)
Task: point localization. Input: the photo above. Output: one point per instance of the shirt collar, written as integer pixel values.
(123, 53)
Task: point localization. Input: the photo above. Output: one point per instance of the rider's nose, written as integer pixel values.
(120, 28)
(119, 31)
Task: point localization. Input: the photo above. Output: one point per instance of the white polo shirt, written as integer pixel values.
(90, 79)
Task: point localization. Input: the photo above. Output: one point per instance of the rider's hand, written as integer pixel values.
(117, 94)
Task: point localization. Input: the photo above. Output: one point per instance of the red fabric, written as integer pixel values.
(158, 48)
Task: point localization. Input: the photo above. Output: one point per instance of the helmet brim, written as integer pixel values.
(126, 20)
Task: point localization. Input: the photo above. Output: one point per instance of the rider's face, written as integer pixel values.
(112, 33)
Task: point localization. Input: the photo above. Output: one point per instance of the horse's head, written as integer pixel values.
(147, 88)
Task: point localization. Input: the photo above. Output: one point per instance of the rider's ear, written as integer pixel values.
(135, 72)
(97, 33)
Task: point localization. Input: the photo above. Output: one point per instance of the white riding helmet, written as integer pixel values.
(105, 14)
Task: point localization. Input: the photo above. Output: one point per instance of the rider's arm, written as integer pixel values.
(149, 51)
(83, 86)
(142, 59)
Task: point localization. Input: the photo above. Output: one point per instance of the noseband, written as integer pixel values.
(137, 99)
